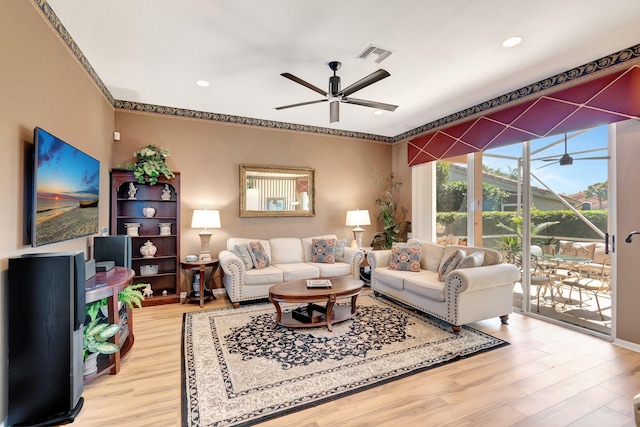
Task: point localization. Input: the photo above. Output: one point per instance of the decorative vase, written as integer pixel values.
(91, 364)
(149, 211)
(165, 228)
(132, 228)
(148, 250)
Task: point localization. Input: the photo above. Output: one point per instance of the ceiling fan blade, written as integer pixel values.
(372, 104)
(300, 104)
(549, 164)
(303, 83)
(364, 82)
(334, 111)
(592, 158)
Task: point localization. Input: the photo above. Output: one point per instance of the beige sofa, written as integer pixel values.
(290, 259)
(466, 295)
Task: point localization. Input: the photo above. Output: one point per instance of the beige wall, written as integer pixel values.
(628, 216)
(40, 85)
(208, 155)
(43, 85)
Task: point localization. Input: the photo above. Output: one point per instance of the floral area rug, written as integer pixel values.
(238, 369)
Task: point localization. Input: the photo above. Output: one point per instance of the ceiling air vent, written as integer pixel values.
(374, 53)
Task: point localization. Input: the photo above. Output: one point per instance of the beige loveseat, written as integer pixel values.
(466, 295)
(290, 259)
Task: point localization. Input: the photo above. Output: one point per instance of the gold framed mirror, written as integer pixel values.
(276, 191)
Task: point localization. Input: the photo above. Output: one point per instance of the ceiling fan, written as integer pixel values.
(566, 159)
(335, 96)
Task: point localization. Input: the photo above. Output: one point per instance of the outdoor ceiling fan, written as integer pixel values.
(335, 96)
(566, 159)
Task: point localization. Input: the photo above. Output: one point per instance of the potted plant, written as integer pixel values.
(131, 296)
(393, 219)
(150, 165)
(95, 338)
(549, 244)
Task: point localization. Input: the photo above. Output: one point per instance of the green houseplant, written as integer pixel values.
(95, 338)
(390, 215)
(131, 296)
(152, 162)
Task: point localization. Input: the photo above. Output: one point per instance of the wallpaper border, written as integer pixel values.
(609, 62)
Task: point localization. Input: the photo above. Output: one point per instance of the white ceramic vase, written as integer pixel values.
(148, 250)
(149, 211)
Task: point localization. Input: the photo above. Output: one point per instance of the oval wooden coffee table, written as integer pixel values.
(312, 314)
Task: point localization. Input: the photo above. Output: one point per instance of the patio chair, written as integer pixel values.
(596, 285)
(543, 278)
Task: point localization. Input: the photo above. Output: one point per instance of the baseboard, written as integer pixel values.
(628, 345)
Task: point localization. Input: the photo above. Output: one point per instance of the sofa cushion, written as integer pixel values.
(286, 250)
(298, 271)
(431, 255)
(268, 275)
(405, 256)
(450, 263)
(307, 243)
(332, 270)
(259, 255)
(491, 256)
(392, 278)
(425, 284)
(233, 241)
(599, 256)
(242, 251)
(340, 246)
(323, 250)
(581, 249)
(475, 259)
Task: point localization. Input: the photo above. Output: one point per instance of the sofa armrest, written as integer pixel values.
(234, 272)
(354, 258)
(478, 278)
(379, 258)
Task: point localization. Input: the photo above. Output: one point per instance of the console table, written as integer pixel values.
(107, 285)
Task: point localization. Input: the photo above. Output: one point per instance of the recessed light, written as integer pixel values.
(512, 41)
(202, 83)
(378, 112)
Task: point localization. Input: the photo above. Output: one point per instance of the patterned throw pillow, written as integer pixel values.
(242, 251)
(259, 255)
(405, 256)
(323, 250)
(476, 259)
(450, 264)
(340, 245)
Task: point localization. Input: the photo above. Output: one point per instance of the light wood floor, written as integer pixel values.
(548, 376)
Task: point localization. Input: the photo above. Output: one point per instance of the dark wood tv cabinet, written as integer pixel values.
(107, 285)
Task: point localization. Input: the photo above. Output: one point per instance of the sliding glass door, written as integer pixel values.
(553, 223)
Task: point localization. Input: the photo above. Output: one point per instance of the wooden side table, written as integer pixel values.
(201, 266)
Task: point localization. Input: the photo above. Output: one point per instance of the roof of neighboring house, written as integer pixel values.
(509, 184)
(595, 203)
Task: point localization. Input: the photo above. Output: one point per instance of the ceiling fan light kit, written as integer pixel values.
(335, 95)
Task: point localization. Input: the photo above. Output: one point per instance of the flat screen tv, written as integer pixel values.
(66, 188)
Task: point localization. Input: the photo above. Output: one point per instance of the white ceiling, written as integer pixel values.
(446, 55)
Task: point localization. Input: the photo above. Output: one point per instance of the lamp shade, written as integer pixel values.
(204, 218)
(358, 217)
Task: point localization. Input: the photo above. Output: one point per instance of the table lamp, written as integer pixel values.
(204, 218)
(358, 218)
